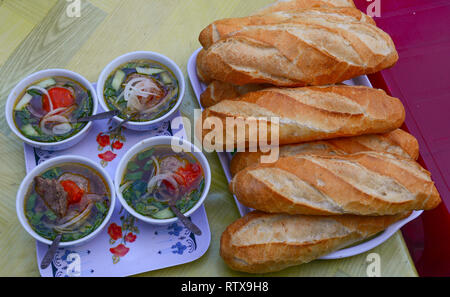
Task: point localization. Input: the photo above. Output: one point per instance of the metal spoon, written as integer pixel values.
(186, 222)
(48, 258)
(129, 118)
(96, 117)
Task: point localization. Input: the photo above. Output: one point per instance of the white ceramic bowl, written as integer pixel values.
(28, 180)
(20, 87)
(140, 55)
(162, 140)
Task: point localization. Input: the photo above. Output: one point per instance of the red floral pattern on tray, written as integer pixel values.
(109, 142)
(121, 235)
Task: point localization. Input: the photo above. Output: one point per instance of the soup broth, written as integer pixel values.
(71, 199)
(155, 174)
(141, 89)
(51, 120)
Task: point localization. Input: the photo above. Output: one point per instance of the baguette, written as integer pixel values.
(367, 183)
(303, 51)
(222, 28)
(397, 142)
(285, 5)
(305, 114)
(260, 242)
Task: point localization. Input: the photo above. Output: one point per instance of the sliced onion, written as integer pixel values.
(62, 129)
(138, 87)
(134, 104)
(156, 164)
(93, 197)
(124, 186)
(34, 112)
(157, 179)
(73, 221)
(120, 96)
(45, 92)
(54, 118)
(57, 111)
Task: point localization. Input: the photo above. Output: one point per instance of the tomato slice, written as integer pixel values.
(61, 97)
(74, 193)
(188, 175)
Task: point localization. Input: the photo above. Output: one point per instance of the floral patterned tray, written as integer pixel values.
(126, 246)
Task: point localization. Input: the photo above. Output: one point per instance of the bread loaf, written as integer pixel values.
(260, 242)
(285, 5)
(305, 114)
(304, 51)
(316, 16)
(368, 183)
(397, 142)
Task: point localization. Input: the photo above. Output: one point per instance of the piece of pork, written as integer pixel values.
(53, 195)
(170, 165)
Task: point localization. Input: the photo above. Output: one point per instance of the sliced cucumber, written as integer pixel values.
(164, 214)
(166, 78)
(23, 102)
(47, 83)
(118, 79)
(148, 71)
(28, 130)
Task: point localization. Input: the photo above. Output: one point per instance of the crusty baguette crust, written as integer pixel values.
(304, 4)
(260, 242)
(309, 114)
(222, 28)
(397, 142)
(202, 68)
(404, 140)
(301, 52)
(368, 183)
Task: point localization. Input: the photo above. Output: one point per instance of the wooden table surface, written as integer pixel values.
(38, 34)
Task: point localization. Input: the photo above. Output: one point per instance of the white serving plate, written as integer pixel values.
(225, 159)
(154, 247)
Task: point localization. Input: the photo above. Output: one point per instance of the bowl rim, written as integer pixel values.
(146, 143)
(111, 66)
(19, 88)
(26, 182)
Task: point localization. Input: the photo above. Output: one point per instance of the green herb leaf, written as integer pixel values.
(101, 207)
(53, 173)
(147, 154)
(132, 166)
(31, 202)
(50, 215)
(134, 176)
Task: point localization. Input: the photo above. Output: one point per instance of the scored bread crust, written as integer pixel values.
(307, 114)
(225, 27)
(261, 242)
(202, 68)
(397, 142)
(367, 183)
(300, 52)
